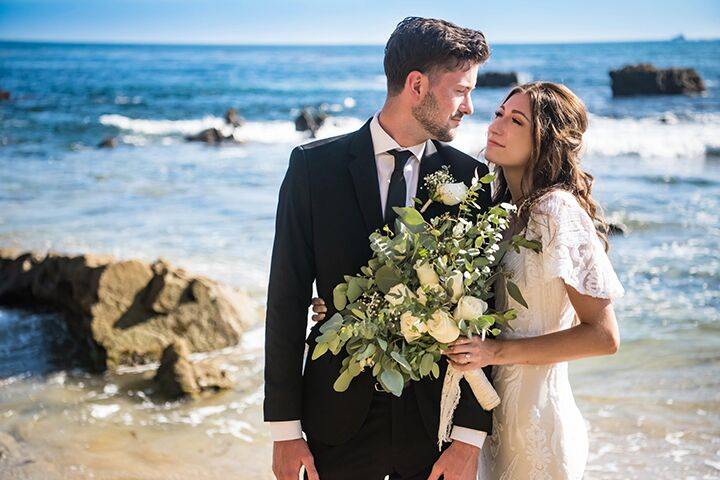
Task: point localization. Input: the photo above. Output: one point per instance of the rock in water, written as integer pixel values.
(618, 229)
(645, 79)
(127, 311)
(177, 376)
(4, 95)
(497, 79)
(108, 142)
(233, 118)
(210, 135)
(310, 119)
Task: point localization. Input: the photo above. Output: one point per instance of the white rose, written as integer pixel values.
(411, 327)
(397, 294)
(461, 228)
(442, 327)
(455, 286)
(470, 308)
(452, 193)
(421, 297)
(426, 274)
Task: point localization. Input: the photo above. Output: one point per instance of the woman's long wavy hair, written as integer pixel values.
(559, 119)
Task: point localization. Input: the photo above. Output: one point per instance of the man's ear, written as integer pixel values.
(416, 84)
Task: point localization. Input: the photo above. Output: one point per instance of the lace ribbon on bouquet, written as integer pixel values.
(484, 392)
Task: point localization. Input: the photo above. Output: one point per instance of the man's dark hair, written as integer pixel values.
(430, 46)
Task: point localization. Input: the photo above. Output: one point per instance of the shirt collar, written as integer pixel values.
(382, 141)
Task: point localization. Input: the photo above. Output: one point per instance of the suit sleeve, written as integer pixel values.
(292, 272)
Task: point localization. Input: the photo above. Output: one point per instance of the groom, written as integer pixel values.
(335, 193)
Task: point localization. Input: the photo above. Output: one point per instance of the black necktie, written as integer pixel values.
(397, 192)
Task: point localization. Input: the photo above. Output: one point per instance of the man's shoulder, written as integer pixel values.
(326, 145)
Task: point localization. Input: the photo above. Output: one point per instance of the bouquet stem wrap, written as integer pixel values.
(484, 392)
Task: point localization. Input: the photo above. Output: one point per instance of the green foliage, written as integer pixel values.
(367, 329)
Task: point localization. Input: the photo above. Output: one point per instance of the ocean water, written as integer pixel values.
(653, 409)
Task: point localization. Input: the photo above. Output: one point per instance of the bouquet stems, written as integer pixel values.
(482, 388)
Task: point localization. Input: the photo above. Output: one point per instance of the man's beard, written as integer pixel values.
(427, 115)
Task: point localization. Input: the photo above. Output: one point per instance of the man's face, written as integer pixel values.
(448, 99)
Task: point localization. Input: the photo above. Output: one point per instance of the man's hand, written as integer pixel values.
(458, 462)
(289, 456)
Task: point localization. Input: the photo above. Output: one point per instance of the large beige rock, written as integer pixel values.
(127, 311)
(178, 376)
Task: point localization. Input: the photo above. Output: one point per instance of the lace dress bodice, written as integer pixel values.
(538, 431)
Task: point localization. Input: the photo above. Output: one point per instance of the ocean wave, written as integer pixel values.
(274, 132)
(668, 136)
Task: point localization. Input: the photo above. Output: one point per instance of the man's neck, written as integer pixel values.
(401, 126)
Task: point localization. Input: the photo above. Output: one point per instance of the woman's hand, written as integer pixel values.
(472, 353)
(319, 309)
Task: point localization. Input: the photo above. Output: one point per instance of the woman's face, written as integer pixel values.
(509, 140)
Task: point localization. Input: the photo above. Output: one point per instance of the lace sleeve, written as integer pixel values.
(571, 248)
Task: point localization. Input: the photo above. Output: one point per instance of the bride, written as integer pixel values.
(534, 142)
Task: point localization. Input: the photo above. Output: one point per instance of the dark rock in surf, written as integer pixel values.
(310, 120)
(645, 79)
(210, 136)
(497, 79)
(108, 142)
(618, 229)
(232, 117)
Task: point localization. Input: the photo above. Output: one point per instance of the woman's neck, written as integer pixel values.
(513, 177)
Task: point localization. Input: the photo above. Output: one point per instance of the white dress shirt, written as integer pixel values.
(385, 163)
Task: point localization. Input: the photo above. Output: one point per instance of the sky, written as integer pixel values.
(350, 22)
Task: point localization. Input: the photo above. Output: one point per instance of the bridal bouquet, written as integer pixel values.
(426, 284)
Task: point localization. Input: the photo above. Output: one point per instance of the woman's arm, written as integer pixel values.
(597, 334)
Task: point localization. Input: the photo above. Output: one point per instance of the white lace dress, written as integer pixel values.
(538, 431)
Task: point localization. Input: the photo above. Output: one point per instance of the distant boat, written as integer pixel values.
(678, 38)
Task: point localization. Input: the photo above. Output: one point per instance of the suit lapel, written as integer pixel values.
(365, 177)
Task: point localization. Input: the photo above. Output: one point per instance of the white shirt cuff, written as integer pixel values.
(281, 431)
(468, 435)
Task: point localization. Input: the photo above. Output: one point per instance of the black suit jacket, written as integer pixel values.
(328, 206)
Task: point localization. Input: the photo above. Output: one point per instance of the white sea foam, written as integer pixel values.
(274, 132)
(668, 137)
(103, 411)
(646, 137)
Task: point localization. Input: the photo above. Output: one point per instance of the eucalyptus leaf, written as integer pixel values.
(386, 278)
(340, 296)
(319, 350)
(354, 368)
(426, 364)
(393, 381)
(354, 290)
(411, 218)
(401, 360)
(332, 324)
(343, 381)
(515, 293)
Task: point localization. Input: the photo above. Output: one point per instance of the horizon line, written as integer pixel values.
(279, 44)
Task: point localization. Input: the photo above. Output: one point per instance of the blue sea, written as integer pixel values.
(653, 409)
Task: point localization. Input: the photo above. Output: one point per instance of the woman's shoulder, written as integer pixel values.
(556, 202)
